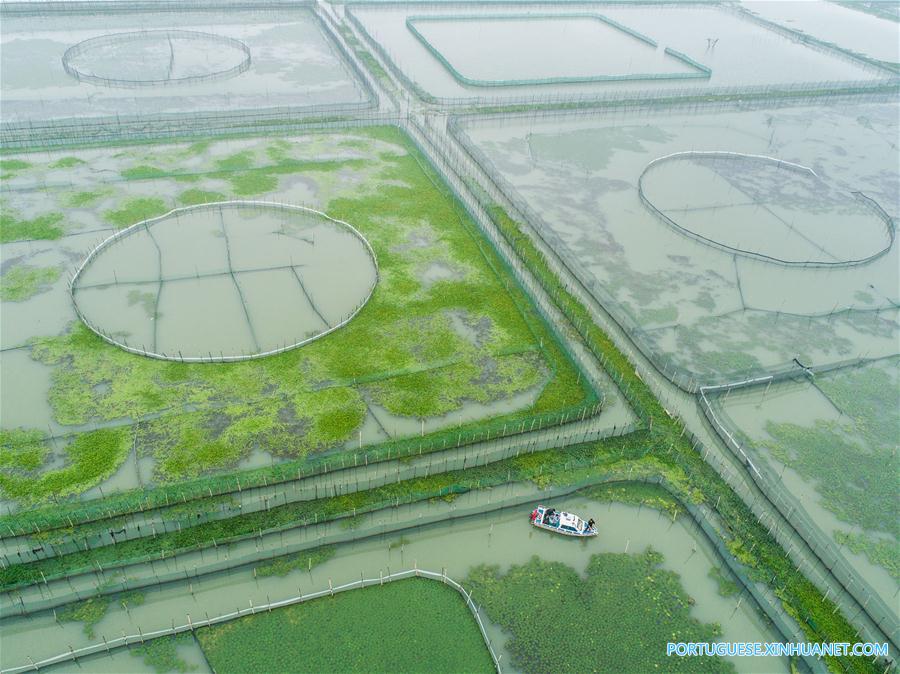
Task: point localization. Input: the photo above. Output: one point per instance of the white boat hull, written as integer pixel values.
(563, 523)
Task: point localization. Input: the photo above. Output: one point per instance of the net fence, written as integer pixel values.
(140, 638)
(781, 497)
(883, 81)
(686, 377)
(271, 544)
(32, 135)
(76, 59)
(835, 570)
(241, 208)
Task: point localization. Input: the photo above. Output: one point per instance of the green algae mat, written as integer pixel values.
(619, 618)
(448, 331)
(413, 625)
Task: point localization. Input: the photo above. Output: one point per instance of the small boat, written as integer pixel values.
(562, 522)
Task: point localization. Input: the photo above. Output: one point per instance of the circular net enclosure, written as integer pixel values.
(225, 281)
(765, 208)
(156, 57)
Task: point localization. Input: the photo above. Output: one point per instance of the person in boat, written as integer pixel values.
(548, 516)
(534, 514)
(590, 524)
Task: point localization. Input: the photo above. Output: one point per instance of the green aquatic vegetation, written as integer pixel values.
(436, 392)
(237, 161)
(83, 198)
(880, 551)
(853, 462)
(143, 173)
(725, 585)
(263, 179)
(10, 166)
(189, 449)
(193, 197)
(135, 210)
(620, 617)
(859, 491)
(90, 458)
(67, 162)
(870, 396)
(24, 281)
(305, 561)
(162, 654)
(329, 416)
(88, 611)
(412, 625)
(401, 351)
(12, 228)
(635, 493)
(746, 539)
(252, 183)
(130, 599)
(198, 148)
(22, 450)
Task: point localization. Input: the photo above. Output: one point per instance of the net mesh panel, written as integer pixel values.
(220, 208)
(212, 41)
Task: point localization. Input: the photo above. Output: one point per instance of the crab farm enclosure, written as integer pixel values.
(494, 53)
(140, 65)
(202, 284)
(744, 245)
(303, 308)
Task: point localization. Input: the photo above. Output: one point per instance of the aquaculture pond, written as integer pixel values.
(212, 281)
(639, 47)
(728, 243)
(638, 544)
(446, 339)
(410, 625)
(133, 63)
(832, 441)
(846, 25)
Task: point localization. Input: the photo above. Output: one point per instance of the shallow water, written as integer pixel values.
(293, 64)
(501, 538)
(746, 55)
(210, 283)
(845, 26)
(698, 309)
(567, 47)
(801, 403)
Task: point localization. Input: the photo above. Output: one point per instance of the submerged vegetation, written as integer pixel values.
(412, 625)
(619, 617)
(418, 349)
(13, 228)
(659, 448)
(89, 459)
(853, 462)
(305, 561)
(162, 654)
(92, 610)
(23, 281)
(135, 210)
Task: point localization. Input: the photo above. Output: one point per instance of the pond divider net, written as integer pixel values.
(218, 208)
(213, 41)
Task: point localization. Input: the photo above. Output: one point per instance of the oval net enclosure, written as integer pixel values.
(225, 281)
(156, 57)
(765, 208)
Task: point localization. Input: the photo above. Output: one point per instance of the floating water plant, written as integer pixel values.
(412, 625)
(24, 281)
(620, 617)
